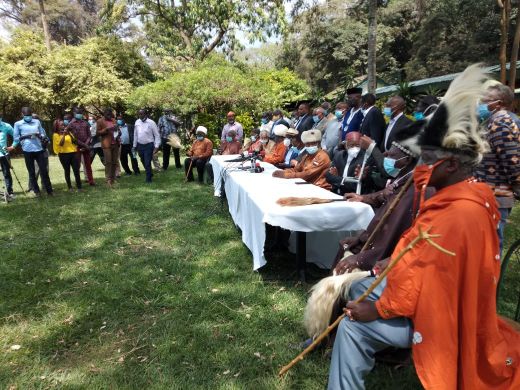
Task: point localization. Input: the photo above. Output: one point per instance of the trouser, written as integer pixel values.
(111, 161)
(38, 158)
(5, 165)
(155, 161)
(67, 161)
(84, 156)
(197, 162)
(146, 154)
(126, 152)
(504, 214)
(166, 150)
(357, 342)
(37, 170)
(97, 152)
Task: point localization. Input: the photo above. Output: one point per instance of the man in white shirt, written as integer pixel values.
(146, 141)
(394, 109)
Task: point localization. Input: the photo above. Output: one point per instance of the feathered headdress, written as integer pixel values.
(454, 125)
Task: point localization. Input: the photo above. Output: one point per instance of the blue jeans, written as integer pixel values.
(145, 154)
(504, 214)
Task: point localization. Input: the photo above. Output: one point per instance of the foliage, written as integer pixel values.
(99, 72)
(194, 29)
(216, 86)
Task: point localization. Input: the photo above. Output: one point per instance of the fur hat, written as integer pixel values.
(311, 136)
(201, 129)
(291, 132)
(280, 130)
(407, 139)
(454, 126)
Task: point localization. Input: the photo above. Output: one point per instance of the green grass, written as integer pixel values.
(147, 286)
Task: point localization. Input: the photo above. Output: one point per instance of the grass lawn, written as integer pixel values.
(149, 286)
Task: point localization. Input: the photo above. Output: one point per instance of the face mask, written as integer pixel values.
(364, 111)
(315, 118)
(200, 137)
(387, 111)
(353, 152)
(339, 114)
(389, 166)
(264, 121)
(1, 121)
(66, 122)
(326, 112)
(483, 111)
(120, 122)
(421, 177)
(91, 122)
(253, 138)
(286, 142)
(231, 121)
(27, 118)
(419, 116)
(263, 141)
(78, 116)
(312, 149)
(229, 139)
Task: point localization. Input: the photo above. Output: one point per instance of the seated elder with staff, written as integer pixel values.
(277, 155)
(200, 152)
(314, 164)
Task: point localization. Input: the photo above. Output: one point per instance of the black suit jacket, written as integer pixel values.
(401, 123)
(339, 161)
(374, 126)
(305, 124)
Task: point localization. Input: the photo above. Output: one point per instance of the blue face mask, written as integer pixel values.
(27, 118)
(253, 138)
(419, 116)
(120, 122)
(91, 122)
(78, 116)
(387, 111)
(339, 114)
(389, 166)
(311, 149)
(483, 111)
(315, 118)
(66, 122)
(229, 139)
(325, 113)
(200, 137)
(264, 121)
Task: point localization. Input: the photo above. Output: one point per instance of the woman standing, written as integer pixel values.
(65, 146)
(107, 130)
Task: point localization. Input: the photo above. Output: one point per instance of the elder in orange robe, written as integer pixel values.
(277, 155)
(458, 340)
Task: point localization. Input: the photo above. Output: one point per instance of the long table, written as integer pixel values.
(252, 203)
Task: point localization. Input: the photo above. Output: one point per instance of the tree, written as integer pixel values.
(194, 29)
(372, 41)
(45, 26)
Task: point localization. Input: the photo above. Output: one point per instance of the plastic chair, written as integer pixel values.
(513, 254)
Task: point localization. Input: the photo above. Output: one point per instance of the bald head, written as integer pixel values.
(397, 104)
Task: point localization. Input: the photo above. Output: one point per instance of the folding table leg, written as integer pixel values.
(301, 254)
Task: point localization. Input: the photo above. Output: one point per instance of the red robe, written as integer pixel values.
(459, 340)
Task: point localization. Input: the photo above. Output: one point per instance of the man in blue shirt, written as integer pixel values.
(5, 130)
(30, 134)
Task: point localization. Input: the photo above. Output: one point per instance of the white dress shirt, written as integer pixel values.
(146, 132)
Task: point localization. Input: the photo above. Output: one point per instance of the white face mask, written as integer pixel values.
(353, 152)
(287, 142)
(264, 141)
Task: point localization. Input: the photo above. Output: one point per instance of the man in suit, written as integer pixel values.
(305, 121)
(373, 124)
(394, 109)
(320, 119)
(344, 165)
(353, 117)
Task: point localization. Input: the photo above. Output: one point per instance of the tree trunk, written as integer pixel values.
(45, 26)
(514, 52)
(372, 40)
(504, 27)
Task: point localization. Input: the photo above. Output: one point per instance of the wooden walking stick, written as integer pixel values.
(423, 235)
(387, 214)
(189, 170)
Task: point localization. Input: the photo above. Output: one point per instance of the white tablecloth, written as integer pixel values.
(252, 203)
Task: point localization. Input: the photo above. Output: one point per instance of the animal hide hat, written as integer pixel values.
(280, 130)
(407, 139)
(311, 136)
(454, 126)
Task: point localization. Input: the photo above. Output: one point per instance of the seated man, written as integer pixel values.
(345, 165)
(278, 153)
(231, 145)
(442, 303)
(199, 154)
(313, 166)
(294, 151)
(266, 144)
(252, 143)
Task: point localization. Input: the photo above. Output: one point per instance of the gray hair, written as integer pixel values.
(505, 93)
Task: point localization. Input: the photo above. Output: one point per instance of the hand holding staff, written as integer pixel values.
(423, 235)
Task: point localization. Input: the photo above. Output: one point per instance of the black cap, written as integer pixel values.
(354, 90)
